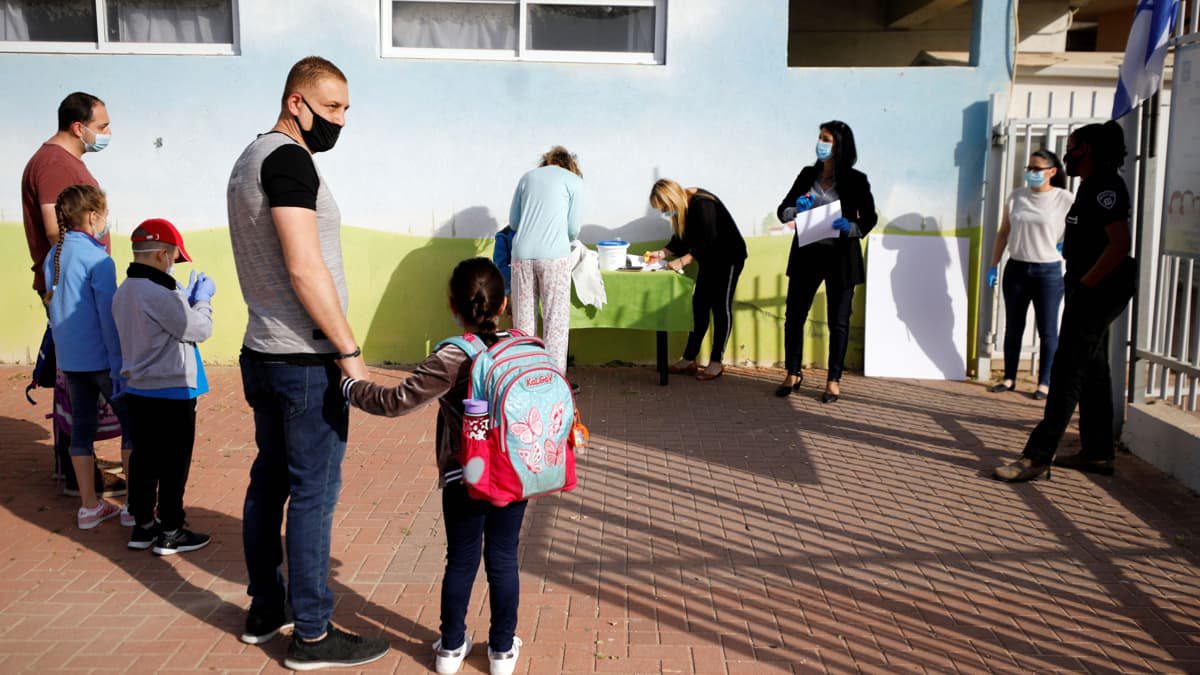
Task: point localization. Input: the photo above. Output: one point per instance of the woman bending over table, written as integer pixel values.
(704, 232)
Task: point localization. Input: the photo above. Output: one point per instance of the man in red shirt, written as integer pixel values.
(83, 126)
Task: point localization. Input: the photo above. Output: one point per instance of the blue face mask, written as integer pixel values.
(1035, 179)
(824, 150)
(99, 142)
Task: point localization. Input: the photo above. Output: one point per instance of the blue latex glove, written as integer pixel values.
(803, 203)
(842, 225)
(993, 276)
(203, 289)
(191, 287)
(119, 386)
(1059, 247)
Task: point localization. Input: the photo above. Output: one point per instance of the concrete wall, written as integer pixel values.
(1166, 437)
(434, 148)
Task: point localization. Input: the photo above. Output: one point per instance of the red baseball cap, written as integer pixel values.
(161, 229)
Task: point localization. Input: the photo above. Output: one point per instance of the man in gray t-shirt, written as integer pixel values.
(285, 228)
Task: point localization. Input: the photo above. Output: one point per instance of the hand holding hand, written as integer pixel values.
(993, 276)
(803, 203)
(354, 367)
(203, 289)
(842, 225)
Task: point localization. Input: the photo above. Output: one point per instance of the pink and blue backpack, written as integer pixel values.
(528, 447)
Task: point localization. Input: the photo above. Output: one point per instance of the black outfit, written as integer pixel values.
(838, 263)
(163, 433)
(1081, 373)
(713, 239)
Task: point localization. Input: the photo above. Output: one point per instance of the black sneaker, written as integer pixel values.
(264, 624)
(179, 541)
(142, 538)
(114, 486)
(337, 649)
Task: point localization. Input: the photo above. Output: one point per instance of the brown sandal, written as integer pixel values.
(705, 376)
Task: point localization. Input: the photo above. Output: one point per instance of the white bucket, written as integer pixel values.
(612, 254)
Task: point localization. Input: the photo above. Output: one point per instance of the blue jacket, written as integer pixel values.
(545, 213)
(81, 318)
(502, 256)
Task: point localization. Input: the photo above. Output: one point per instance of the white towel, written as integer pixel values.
(585, 275)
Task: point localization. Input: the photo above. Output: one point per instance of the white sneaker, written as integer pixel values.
(504, 663)
(89, 518)
(127, 517)
(449, 662)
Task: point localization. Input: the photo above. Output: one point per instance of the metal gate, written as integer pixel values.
(1013, 141)
(1166, 339)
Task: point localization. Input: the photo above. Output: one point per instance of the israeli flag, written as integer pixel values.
(1141, 72)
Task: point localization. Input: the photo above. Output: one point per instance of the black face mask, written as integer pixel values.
(323, 135)
(1071, 161)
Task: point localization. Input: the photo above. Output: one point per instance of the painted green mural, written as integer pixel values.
(398, 301)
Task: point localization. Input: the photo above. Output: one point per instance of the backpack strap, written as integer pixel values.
(468, 343)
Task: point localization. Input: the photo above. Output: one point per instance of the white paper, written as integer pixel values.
(812, 225)
(916, 307)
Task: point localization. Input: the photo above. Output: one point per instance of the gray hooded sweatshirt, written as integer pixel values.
(158, 330)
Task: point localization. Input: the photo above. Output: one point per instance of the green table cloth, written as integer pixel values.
(657, 301)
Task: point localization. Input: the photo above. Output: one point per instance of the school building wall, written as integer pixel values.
(425, 169)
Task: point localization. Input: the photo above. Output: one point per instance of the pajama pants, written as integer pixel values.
(548, 283)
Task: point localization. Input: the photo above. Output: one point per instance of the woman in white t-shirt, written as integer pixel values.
(1035, 217)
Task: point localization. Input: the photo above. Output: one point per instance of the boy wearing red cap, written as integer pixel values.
(160, 325)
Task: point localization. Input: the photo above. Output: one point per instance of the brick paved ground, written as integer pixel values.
(717, 529)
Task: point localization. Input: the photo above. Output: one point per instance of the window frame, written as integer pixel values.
(102, 45)
(523, 53)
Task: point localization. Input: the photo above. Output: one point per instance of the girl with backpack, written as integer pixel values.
(477, 301)
(82, 279)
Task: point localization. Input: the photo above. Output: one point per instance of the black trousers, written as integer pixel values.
(163, 434)
(713, 295)
(802, 288)
(1081, 373)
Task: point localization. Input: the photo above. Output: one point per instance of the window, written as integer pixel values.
(119, 26)
(631, 31)
(881, 33)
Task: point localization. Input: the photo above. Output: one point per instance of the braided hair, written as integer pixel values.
(71, 210)
(477, 295)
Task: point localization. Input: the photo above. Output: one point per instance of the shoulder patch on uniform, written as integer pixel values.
(1107, 199)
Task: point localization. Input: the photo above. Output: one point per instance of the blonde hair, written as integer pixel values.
(307, 72)
(71, 211)
(562, 158)
(667, 195)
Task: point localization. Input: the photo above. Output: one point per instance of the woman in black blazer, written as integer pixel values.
(838, 262)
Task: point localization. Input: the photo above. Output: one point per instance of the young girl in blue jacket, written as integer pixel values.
(83, 279)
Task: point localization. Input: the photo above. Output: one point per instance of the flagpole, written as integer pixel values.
(1147, 151)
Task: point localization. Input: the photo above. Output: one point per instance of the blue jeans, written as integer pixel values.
(1041, 284)
(300, 425)
(472, 526)
(85, 389)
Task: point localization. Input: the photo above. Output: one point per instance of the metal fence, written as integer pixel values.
(1167, 350)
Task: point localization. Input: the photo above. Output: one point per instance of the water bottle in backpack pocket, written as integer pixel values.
(519, 423)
